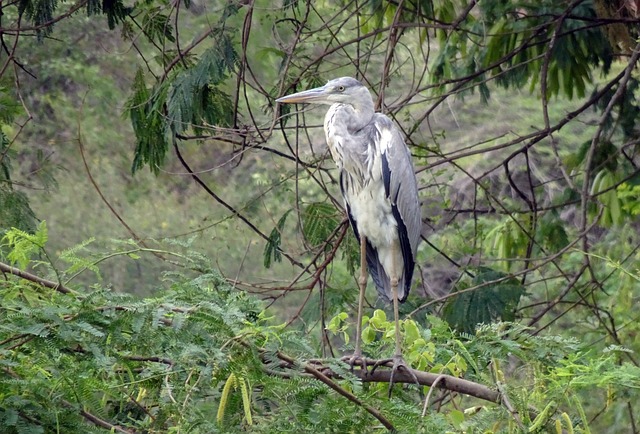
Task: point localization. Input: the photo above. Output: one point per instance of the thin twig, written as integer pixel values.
(426, 399)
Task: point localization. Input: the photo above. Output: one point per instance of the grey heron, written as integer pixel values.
(380, 193)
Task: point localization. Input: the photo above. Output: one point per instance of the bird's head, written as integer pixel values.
(345, 90)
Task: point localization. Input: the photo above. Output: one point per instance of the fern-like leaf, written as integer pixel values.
(272, 252)
(24, 245)
(319, 220)
(148, 124)
(486, 304)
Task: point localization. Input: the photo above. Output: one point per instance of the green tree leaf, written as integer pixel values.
(148, 124)
(319, 221)
(493, 302)
(272, 252)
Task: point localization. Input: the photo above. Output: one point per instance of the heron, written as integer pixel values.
(380, 193)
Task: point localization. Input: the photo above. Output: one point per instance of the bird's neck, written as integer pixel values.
(353, 117)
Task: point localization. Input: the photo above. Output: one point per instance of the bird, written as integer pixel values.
(380, 193)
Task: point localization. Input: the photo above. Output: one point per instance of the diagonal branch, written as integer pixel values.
(329, 382)
(8, 269)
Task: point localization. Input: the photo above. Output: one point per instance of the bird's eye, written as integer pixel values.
(340, 88)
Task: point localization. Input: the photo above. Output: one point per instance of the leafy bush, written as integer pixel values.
(202, 356)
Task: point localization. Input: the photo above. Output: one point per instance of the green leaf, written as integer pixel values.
(457, 417)
(379, 319)
(115, 11)
(319, 221)
(551, 230)
(411, 332)
(148, 124)
(24, 245)
(630, 197)
(336, 322)
(368, 335)
(15, 211)
(10, 107)
(272, 252)
(351, 252)
(195, 99)
(494, 302)
(157, 26)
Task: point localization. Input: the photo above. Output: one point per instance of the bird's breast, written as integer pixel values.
(358, 157)
(371, 210)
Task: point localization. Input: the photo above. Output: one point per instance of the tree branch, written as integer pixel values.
(326, 380)
(8, 269)
(442, 381)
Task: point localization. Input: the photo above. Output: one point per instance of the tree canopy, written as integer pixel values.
(174, 251)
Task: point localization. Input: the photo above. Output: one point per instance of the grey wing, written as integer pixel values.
(401, 187)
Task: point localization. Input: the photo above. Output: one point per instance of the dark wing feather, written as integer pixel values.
(407, 254)
(386, 175)
(401, 188)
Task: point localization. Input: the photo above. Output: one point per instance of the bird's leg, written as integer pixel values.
(362, 284)
(396, 317)
(398, 360)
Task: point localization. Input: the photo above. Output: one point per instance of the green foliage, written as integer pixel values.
(193, 99)
(143, 107)
(603, 187)
(604, 156)
(630, 197)
(496, 299)
(351, 252)
(156, 26)
(507, 241)
(200, 356)
(23, 246)
(116, 12)
(233, 382)
(42, 13)
(162, 364)
(102, 352)
(9, 106)
(39, 12)
(272, 251)
(627, 111)
(338, 324)
(319, 221)
(511, 50)
(15, 210)
(552, 233)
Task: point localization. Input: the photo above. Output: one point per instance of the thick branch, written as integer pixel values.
(446, 382)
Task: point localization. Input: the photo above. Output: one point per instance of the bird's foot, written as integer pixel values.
(398, 364)
(355, 360)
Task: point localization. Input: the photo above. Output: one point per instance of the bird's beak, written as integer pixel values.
(311, 95)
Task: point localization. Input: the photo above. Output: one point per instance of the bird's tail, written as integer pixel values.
(382, 280)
